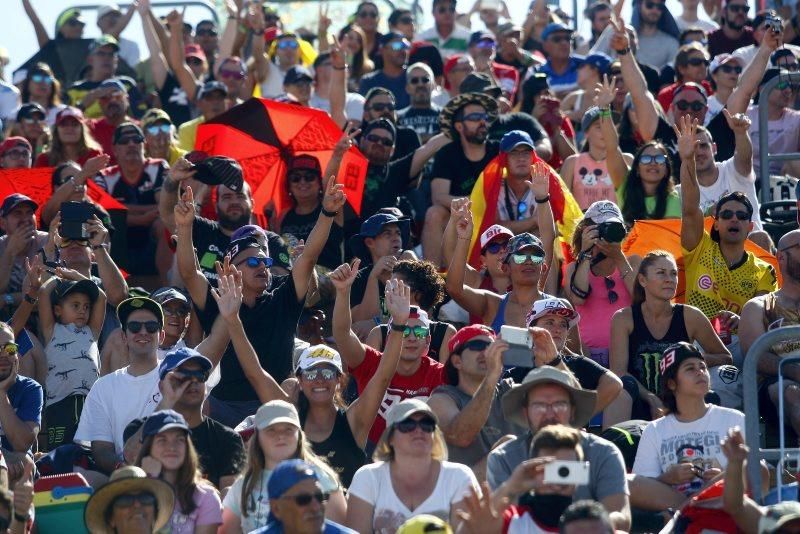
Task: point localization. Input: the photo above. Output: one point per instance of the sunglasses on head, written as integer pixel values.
(385, 141)
(647, 159)
(494, 248)
(476, 345)
(66, 242)
(126, 501)
(367, 14)
(314, 374)
(739, 8)
(304, 499)
(206, 32)
(730, 68)
(288, 43)
(130, 139)
(156, 129)
(382, 106)
(730, 214)
(42, 78)
(416, 80)
(535, 258)
(419, 332)
(683, 105)
(150, 326)
(308, 177)
(654, 5)
(187, 375)
(255, 261)
(426, 424)
(232, 74)
(476, 117)
(10, 349)
(398, 46)
(697, 61)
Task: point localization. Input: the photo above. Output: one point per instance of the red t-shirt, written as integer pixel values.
(421, 384)
(42, 161)
(103, 133)
(507, 78)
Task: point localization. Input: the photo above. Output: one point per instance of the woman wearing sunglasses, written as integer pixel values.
(42, 87)
(411, 475)
(168, 454)
(641, 332)
(725, 70)
(278, 437)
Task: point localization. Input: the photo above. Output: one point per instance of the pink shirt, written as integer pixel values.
(591, 181)
(597, 310)
(208, 512)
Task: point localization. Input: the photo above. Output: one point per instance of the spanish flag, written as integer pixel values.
(566, 211)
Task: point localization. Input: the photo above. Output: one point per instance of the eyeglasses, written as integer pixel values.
(367, 14)
(739, 8)
(206, 32)
(194, 61)
(126, 501)
(542, 407)
(658, 159)
(494, 248)
(741, 215)
(304, 499)
(697, 61)
(156, 129)
(131, 139)
(519, 259)
(398, 46)
(485, 43)
(476, 345)
(42, 78)
(559, 38)
(300, 176)
(730, 68)
(255, 261)
(683, 105)
(382, 106)
(612, 295)
(476, 117)
(232, 74)
(446, 9)
(17, 154)
(10, 349)
(314, 374)
(385, 141)
(65, 242)
(426, 424)
(405, 20)
(288, 43)
(187, 375)
(416, 80)
(419, 332)
(150, 326)
(654, 5)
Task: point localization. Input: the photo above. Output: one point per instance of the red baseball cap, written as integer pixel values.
(467, 333)
(68, 112)
(193, 50)
(13, 142)
(452, 61)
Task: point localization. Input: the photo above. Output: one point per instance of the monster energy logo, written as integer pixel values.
(650, 374)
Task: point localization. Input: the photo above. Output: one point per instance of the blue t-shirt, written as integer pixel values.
(396, 85)
(26, 398)
(330, 527)
(567, 81)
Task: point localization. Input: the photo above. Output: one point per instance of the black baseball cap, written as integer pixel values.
(127, 129)
(128, 306)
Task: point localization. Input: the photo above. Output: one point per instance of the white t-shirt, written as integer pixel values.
(353, 105)
(728, 181)
(705, 25)
(783, 136)
(373, 484)
(9, 101)
(114, 401)
(667, 441)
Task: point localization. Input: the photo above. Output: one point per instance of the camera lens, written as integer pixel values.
(563, 471)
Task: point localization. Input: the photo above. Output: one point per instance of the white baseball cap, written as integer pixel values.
(604, 211)
(494, 231)
(553, 306)
(319, 355)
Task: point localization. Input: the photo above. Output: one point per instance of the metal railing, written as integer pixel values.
(761, 346)
(764, 157)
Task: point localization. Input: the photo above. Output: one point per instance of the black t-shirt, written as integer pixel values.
(652, 77)
(451, 164)
(220, 450)
(295, 227)
(517, 121)
(174, 100)
(360, 287)
(406, 143)
(270, 326)
(425, 122)
(384, 183)
(586, 371)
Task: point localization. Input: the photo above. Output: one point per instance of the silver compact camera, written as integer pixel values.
(568, 473)
(520, 346)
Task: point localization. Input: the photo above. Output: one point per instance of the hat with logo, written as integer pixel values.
(604, 211)
(154, 115)
(493, 232)
(14, 199)
(104, 40)
(552, 306)
(286, 475)
(520, 242)
(176, 358)
(244, 243)
(554, 27)
(721, 59)
(672, 358)
(319, 355)
(305, 162)
(26, 110)
(598, 60)
(467, 333)
(67, 15)
(69, 112)
(425, 524)
(195, 51)
(415, 312)
(128, 306)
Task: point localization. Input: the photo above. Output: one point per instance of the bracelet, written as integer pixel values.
(544, 200)
(398, 327)
(555, 361)
(327, 213)
(605, 112)
(341, 68)
(30, 300)
(623, 52)
(575, 289)
(585, 255)
(21, 518)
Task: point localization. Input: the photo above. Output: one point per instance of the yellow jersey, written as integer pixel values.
(712, 286)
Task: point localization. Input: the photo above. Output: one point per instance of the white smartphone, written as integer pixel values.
(520, 347)
(569, 473)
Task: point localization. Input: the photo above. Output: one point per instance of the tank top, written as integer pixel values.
(597, 309)
(486, 283)
(591, 181)
(295, 227)
(777, 316)
(644, 350)
(73, 362)
(500, 316)
(340, 449)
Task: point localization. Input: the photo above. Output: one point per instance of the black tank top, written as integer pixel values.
(295, 227)
(340, 449)
(644, 350)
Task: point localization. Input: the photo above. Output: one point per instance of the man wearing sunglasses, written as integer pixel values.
(380, 103)
(421, 115)
(468, 406)
(775, 310)
(206, 35)
(159, 136)
(657, 32)
(734, 32)
(392, 76)
(483, 50)
(212, 100)
(446, 34)
(32, 125)
(113, 102)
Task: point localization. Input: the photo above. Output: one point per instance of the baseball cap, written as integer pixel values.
(673, 356)
(154, 115)
(419, 314)
(113, 83)
(405, 409)
(554, 27)
(176, 358)
(598, 60)
(452, 62)
(193, 50)
(162, 295)
(286, 474)
(689, 86)
(274, 412)
(68, 112)
(425, 524)
(126, 128)
(26, 110)
(210, 87)
(163, 420)
(220, 170)
(522, 241)
(305, 162)
(387, 38)
(721, 59)
(777, 516)
(604, 211)
(13, 142)
(479, 36)
(515, 138)
(492, 232)
(508, 27)
(591, 115)
(67, 15)
(297, 73)
(467, 333)
(104, 10)
(319, 355)
(383, 124)
(242, 244)
(104, 40)
(65, 287)
(14, 199)
(480, 82)
(128, 306)
(374, 226)
(249, 230)
(552, 306)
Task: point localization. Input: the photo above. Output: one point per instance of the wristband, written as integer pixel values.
(398, 327)
(543, 200)
(580, 293)
(605, 112)
(327, 213)
(623, 52)
(30, 300)
(555, 361)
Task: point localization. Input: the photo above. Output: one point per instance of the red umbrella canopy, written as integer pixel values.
(264, 135)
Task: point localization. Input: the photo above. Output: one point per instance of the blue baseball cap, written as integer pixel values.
(600, 61)
(554, 27)
(113, 83)
(163, 420)
(374, 226)
(515, 138)
(176, 358)
(287, 474)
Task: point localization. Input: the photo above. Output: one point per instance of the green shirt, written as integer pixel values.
(673, 203)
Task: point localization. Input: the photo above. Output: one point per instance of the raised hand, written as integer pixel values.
(98, 233)
(540, 179)
(589, 237)
(172, 388)
(297, 250)
(544, 348)
(34, 277)
(182, 170)
(21, 238)
(620, 40)
(480, 515)
(23, 490)
(346, 140)
(325, 21)
(338, 61)
(605, 92)
(464, 225)
(11, 379)
(494, 357)
(151, 466)
(686, 132)
(344, 275)
(733, 446)
(175, 21)
(92, 167)
(185, 209)
(335, 197)
(398, 300)
(456, 206)
(69, 274)
(228, 295)
(739, 122)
